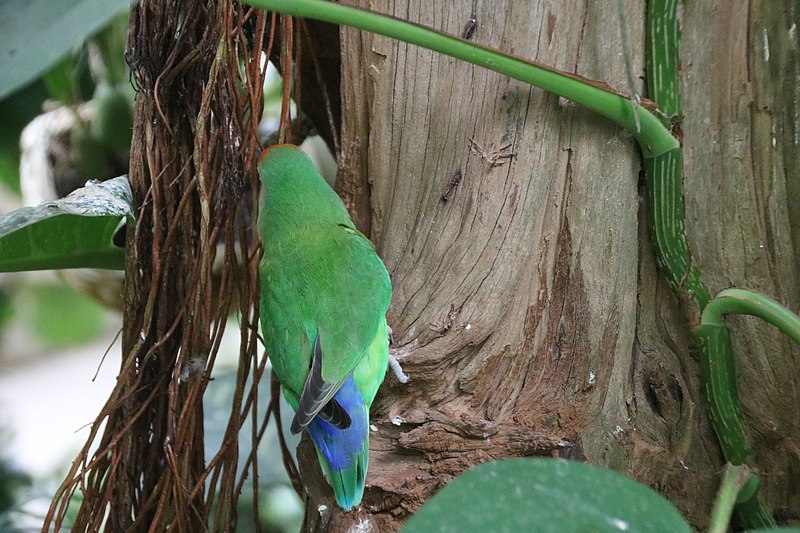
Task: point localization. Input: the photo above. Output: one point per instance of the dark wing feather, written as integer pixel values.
(317, 397)
(334, 414)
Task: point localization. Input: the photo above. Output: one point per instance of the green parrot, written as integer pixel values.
(324, 297)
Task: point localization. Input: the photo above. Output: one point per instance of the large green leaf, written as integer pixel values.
(537, 494)
(74, 232)
(37, 33)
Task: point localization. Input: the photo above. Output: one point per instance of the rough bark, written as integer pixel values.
(527, 308)
(741, 84)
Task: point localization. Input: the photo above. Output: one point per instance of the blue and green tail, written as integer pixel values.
(344, 453)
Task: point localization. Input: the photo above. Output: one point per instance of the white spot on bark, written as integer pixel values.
(363, 526)
(396, 420)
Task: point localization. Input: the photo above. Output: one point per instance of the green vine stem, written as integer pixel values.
(744, 302)
(664, 176)
(653, 137)
(717, 371)
(664, 172)
(734, 480)
(717, 363)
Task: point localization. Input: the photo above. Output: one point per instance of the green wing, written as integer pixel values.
(359, 298)
(329, 280)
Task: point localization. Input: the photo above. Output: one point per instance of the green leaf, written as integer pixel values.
(37, 33)
(17, 110)
(74, 232)
(61, 81)
(113, 121)
(537, 494)
(6, 310)
(111, 44)
(62, 316)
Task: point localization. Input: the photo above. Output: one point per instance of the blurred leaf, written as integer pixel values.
(73, 232)
(537, 494)
(111, 42)
(113, 122)
(17, 110)
(10, 482)
(281, 509)
(62, 316)
(90, 155)
(61, 81)
(6, 309)
(36, 33)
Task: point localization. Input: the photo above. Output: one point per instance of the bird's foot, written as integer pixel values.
(394, 364)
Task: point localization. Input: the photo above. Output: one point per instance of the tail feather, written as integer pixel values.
(344, 453)
(348, 482)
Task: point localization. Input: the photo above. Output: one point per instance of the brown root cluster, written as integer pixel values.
(192, 262)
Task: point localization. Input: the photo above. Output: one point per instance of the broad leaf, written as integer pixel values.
(537, 494)
(37, 33)
(74, 232)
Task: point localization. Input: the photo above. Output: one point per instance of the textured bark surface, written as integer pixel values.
(527, 309)
(742, 103)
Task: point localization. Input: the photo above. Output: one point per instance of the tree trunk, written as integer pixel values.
(742, 136)
(527, 308)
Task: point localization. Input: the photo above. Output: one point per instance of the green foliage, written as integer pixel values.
(12, 483)
(17, 110)
(68, 80)
(74, 232)
(66, 77)
(6, 310)
(538, 494)
(37, 33)
(62, 241)
(113, 122)
(61, 316)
